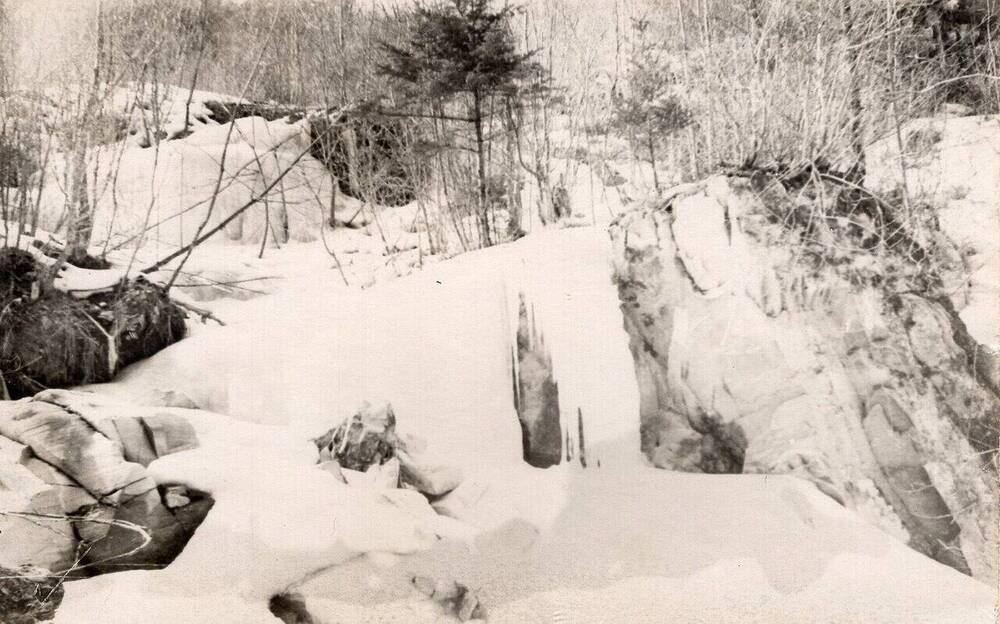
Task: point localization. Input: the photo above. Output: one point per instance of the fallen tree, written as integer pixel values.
(54, 338)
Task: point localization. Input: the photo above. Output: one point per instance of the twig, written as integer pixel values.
(202, 312)
(147, 538)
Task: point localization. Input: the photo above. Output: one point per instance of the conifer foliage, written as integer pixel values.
(462, 53)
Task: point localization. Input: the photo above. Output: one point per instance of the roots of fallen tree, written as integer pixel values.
(56, 340)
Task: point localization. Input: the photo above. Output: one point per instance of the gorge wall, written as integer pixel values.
(787, 332)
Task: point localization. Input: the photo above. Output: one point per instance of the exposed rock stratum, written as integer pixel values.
(772, 336)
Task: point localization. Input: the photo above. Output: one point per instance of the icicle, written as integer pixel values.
(569, 448)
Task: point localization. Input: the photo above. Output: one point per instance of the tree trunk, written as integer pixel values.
(857, 135)
(81, 223)
(484, 217)
(652, 161)
(203, 26)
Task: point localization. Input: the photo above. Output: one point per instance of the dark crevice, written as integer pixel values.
(536, 395)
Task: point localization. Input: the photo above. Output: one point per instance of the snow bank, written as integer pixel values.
(277, 517)
(436, 344)
(621, 542)
(166, 191)
(624, 545)
(650, 546)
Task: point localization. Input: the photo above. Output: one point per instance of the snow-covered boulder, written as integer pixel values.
(367, 443)
(772, 344)
(80, 498)
(85, 329)
(367, 438)
(167, 194)
(278, 518)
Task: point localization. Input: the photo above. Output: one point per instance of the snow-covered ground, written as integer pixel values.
(616, 542)
(622, 542)
(437, 345)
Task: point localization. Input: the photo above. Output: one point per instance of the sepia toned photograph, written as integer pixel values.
(499, 311)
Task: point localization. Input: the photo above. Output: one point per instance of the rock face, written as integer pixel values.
(75, 490)
(772, 334)
(953, 164)
(536, 395)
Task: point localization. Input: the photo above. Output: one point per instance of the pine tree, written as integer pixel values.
(650, 111)
(462, 51)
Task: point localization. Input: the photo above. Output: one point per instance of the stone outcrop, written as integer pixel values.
(365, 448)
(796, 334)
(74, 491)
(369, 157)
(953, 164)
(368, 437)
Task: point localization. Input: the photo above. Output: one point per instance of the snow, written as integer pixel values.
(329, 348)
(955, 164)
(277, 517)
(636, 545)
(301, 350)
(650, 546)
(170, 105)
(165, 191)
(622, 542)
(71, 279)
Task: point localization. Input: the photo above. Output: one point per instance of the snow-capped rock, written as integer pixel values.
(365, 439)
(89, 505)
(758, 350)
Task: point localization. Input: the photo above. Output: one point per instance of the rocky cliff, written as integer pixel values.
(808, 331)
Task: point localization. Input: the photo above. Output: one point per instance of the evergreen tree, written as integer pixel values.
(650, 111)
(462, 51)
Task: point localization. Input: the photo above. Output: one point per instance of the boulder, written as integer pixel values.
(431, 479)
(452, 596)
(366, 438)
(366, 451)
(765, 343)
(82, 501)
(369, 157)
(84, 330)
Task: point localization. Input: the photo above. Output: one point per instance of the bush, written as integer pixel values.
(16, 166)
(368, 157)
